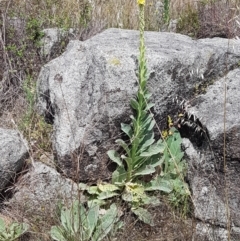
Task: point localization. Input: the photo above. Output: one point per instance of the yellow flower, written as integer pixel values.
(141, 2)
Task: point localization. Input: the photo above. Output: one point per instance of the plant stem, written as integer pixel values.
(140, 96)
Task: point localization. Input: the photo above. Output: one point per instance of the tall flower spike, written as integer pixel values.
(142, 64)
(141, 2)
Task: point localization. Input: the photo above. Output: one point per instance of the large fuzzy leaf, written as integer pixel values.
(93, 190)
(114, 156)
(119, 175)
(2, 225)
(154, 149)
(134, 104)
(92, 218)
(148, 95)
(149, 106)
(154, 161)
(107, 194)
(159, 184)
(146, 121)
(150, 200)
(146, 170)
(57, 233)
(76, 219)
(106, 223)
(147, 141)
(144, 215)
(107, 187)
(124, 145)
(127, 197)
(127, 129)
(66, 220)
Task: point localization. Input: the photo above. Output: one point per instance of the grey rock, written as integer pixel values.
(40, 191)
(85, 92)
(215, 100)
(206, 232)
(208, 206)
(172, 26)
(220, 181)
(215, 203)
(51, 41)
(13, 151)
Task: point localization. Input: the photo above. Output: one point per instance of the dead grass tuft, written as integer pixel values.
(21, 22)
(178, 7)
(218, 19)
(207, 18)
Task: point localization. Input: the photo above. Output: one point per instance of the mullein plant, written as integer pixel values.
(142, 154)
(81, 224)
(144, 158)
(13, 231)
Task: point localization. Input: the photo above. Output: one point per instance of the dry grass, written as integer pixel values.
(124, 13)
(219, 19)
(78, 14)
(63, 13)
(177, 7)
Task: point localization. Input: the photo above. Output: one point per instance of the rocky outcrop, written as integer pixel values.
(13, 151)
(85, 94)
(41, 190)
(86, 91)
(214, 169)
(52, 41)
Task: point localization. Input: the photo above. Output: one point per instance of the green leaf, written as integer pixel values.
(149, 105)
(119, 175)
(92, 218)
(144, 116)
(106, 224)
(156, 161)
(114, 156)
(151, 125)
(147, 141)
(153, 150)
(159, 184)
(83, 186)
(127, 129)
(75, 215)
(57, 233)
(83, 224)
(148, 95)
(107, 194)
(97, 202)
(93, 190)
(124, 145)
(151, 200)
(2, 225)
(134, 122)
(146, 170)
(66, 220)
(178, 157)
(18, 229)
(146, 120)
(127, 196)
(143, 215)
(134, 104)
(107, 187)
